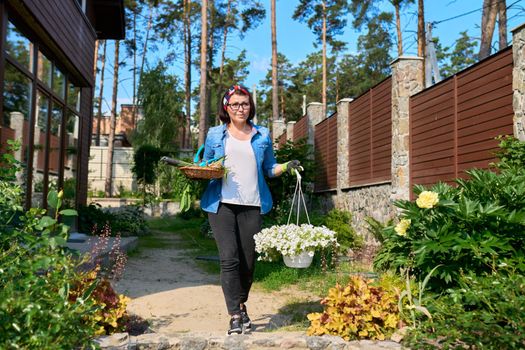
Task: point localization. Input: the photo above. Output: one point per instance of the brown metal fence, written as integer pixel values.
(326, 154)
(281, 140)
(454, 123)
(300, 129)
(370, 135)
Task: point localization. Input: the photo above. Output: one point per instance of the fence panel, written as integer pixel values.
(370, 135)
(300, 129)
(326, 154)
(453, 124)
(281, 140)
(432, 134)
(381, 133)
(484, 111)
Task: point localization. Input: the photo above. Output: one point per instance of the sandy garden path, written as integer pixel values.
(168, 288)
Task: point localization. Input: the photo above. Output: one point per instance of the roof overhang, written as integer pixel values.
(109, 19)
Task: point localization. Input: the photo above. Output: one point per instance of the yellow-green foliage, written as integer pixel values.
(359, 310)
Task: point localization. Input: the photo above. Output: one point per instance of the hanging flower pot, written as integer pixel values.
(300, 261)
(296, 243)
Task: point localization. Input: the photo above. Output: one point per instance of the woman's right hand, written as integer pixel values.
(292, 165)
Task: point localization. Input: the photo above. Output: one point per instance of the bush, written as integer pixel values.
(35, 280)
(127, 221)
(92, 216)
(484, 312)
(359, 310)
(282, 187)
(470, 228)
(340, 221)
(511, 153)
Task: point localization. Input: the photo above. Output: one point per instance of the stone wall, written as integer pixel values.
(122, 164)
(370, 201)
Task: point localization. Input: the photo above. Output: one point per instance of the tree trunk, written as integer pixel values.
(398, 28)
(95, 56)
(209, 67)
(145, 48)
(421, 49)
(488, 23)
(275, 83)
(203, 118)
(283, 107)
(224, 38)
(101, 93)
(502, 26)
(112, 123)
(187, 72)
(324, 62)
(134, 100)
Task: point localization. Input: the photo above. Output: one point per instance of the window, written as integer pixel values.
(59, 83)
(70, 161)
(18, 47)
(73, 97)
(15, 122)
(44, 69)
(55, 120)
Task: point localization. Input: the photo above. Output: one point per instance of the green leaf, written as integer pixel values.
(58, 241)
(46, 221)
(68, 212)
(90, 290)
(52, 199)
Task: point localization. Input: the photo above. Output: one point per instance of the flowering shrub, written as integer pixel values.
(427, 199)
(469, 228)
(291, 240)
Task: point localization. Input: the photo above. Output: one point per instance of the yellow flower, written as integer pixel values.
(61, 194)
(402, 227)
(427, 199)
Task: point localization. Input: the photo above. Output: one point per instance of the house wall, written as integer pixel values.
(60, 30)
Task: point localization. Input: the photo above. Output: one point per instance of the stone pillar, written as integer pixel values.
(407, 80)
(279, 126)
(343, 178)
(518, 81)
(314, 111)
(289, 130)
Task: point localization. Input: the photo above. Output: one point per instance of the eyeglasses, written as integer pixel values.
(235, 106)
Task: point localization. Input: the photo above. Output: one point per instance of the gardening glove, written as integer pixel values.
(292, 165)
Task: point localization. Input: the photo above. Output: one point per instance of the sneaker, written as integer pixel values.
(246, 322)
(235, 325)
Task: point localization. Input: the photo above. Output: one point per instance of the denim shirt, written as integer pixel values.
(263, 150)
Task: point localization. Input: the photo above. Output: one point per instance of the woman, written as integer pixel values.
(236, 203)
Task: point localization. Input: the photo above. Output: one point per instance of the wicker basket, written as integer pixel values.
(202, 172)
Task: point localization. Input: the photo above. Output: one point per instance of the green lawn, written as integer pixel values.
(269, 276)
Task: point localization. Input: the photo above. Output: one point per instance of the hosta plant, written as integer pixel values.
(359, 310)
(292, 240)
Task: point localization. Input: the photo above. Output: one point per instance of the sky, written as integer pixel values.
(295, 40)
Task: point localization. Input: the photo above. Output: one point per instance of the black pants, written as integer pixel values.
(233, 228)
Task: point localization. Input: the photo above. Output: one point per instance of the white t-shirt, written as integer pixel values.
(240, 185)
